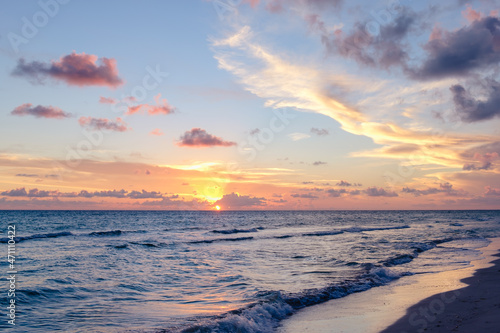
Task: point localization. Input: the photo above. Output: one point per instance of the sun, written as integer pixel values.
(217, 207)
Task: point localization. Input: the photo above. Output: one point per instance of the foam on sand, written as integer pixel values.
(378, 308)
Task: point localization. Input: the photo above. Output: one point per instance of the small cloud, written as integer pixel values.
(40, 111)
(347, 184)
(471, 109)
(27, 175)
(298, 136)
(18, 192)
(494, 192)
(156, 132)
(107, 100)
(97, 124)
(304, 196)
(185, 184)
(161, 107)
(147, 172)
(144, 195)
(319, 163)
(471, 15)
(379, 192)
(319, 131)
(198, 138)
(254, 131)
(235, 200)
(473, 167)
(74, 69)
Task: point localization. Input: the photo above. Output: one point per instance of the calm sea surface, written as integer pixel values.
(122, 271)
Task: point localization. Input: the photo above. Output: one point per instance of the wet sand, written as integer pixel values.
(464, 300)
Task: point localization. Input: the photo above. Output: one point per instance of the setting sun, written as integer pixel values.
(217, 207)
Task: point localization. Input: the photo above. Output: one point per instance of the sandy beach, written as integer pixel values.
(464, 300)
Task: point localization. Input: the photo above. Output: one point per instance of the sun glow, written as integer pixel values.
(217, 207)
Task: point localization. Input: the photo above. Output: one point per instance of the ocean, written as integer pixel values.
(225, 271)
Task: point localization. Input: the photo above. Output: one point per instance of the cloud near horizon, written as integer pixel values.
(36, 193)
(199, 138)
(40, 111)
(73, 69)
(235, 200)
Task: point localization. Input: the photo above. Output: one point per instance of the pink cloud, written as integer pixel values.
(198, 137)
(161, 107)
(492, 191)
(156, 132)
(471, 15)
(98, 124)
(253, 3)
(437, 33)
(74, 69)
(107, 100)
(40, 111)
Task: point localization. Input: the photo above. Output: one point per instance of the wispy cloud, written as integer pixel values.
(298, 136)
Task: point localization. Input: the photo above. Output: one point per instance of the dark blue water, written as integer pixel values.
(123, 271)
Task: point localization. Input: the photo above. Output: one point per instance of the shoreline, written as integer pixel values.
(436, 302)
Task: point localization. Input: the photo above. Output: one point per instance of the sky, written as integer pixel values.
(250, 104)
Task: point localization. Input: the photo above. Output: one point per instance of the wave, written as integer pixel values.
(234, 231)
(323, 233)
(37, 236)
(361, 229)
(68, 233)
(264, 316)
(106, 233)
(220, 240)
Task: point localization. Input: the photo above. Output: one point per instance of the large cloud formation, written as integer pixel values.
(198, 137)
(40, 111)
(383, 49)
(457, 53)
(74, 69)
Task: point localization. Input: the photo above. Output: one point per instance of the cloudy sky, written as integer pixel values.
(250, 104)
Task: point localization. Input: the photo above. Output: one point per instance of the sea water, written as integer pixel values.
(240, 271)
